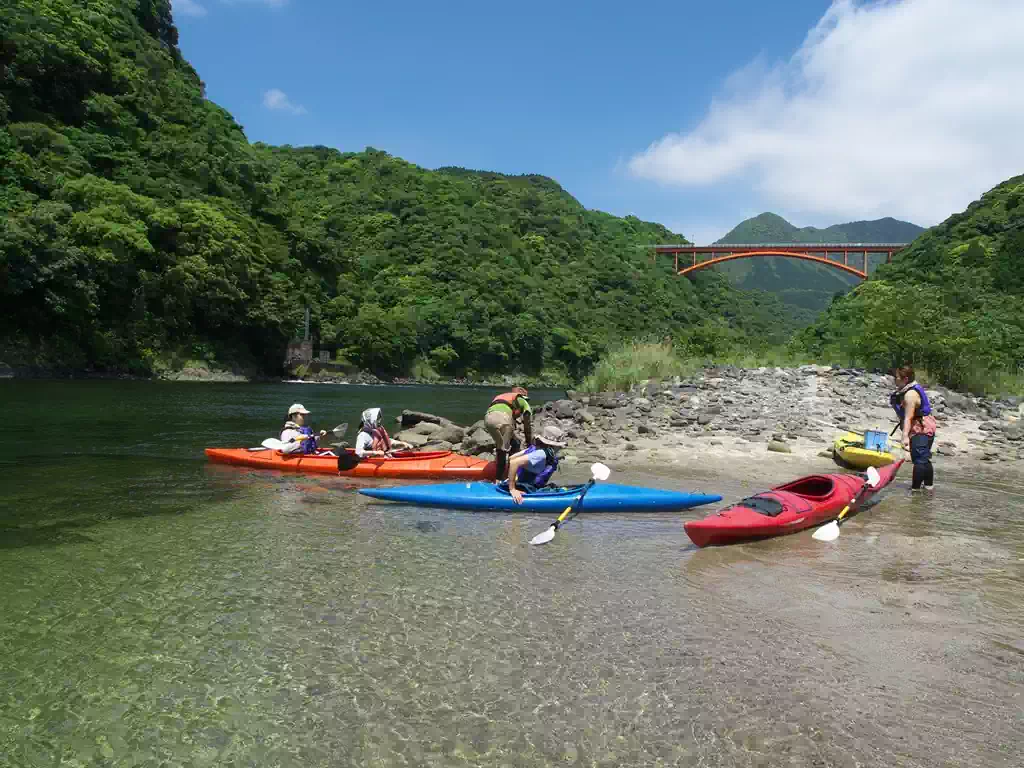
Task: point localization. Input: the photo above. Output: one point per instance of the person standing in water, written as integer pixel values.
(915, 414)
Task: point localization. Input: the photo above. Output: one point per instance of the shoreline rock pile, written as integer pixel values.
(787, 410)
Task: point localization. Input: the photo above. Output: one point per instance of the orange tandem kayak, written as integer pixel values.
(410, 465)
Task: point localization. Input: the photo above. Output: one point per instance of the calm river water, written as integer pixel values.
(160, 611)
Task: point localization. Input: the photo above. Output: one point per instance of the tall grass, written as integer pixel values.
(629, 364)
(975, 379)
(625, 366)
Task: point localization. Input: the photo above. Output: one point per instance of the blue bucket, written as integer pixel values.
(875, 440)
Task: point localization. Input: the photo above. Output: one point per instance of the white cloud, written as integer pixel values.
(279, 101)
(187, 8)
(906, 108)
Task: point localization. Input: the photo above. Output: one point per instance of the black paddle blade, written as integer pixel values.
(347, 461)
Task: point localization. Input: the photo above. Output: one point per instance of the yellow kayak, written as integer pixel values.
(850, 448)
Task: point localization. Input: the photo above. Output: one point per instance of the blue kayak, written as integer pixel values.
(489, 497)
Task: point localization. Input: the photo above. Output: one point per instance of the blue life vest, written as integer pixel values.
(541, 478)
(308, 445)
(896, 401)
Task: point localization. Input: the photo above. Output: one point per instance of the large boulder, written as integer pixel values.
(584, 416)
(436, 445)
(605, 400)
(476, 442)
(452, 433)
(411, 418)
(1013, 432)
(413, 438)
(562, 409)
(425, 428)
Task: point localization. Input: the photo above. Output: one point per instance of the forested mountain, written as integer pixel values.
(805, 287)
(772, 228)
(952, 303)
(141, 228)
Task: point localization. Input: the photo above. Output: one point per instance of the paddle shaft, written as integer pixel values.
(574, 505)
(853, 501)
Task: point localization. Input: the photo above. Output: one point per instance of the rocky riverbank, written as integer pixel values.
(762, 415)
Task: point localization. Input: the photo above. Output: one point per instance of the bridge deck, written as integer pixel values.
(800, 247)
(819, 252)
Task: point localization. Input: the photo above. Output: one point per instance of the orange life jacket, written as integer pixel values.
(511, 399)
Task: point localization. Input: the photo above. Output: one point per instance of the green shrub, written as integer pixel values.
(625, 366)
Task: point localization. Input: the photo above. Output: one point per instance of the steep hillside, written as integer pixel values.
(131, 205)
(806, 288)
(952, 303)
(140, 229)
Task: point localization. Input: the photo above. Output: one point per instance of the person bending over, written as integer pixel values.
(532, 469)
(500, 422)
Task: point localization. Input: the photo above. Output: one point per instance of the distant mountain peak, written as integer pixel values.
(769, 227)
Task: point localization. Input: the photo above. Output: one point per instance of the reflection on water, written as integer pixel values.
(158, 611)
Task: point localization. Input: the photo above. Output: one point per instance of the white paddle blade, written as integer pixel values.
(827, 532)
(341, 429)
(272, 443)
(545, 537)
(873, 477)
(600, 471)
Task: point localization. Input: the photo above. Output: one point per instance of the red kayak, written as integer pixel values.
(804, 503)
(409, 465)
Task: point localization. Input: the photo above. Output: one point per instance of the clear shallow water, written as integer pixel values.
(161, 611)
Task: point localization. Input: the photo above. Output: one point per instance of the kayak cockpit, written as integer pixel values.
(811, 487)
(546, 492)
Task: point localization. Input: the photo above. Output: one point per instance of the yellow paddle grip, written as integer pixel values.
(561, 517)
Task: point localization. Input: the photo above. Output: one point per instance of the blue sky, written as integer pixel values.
(693, 114)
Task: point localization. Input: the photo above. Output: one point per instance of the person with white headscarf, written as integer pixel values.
(373, 439)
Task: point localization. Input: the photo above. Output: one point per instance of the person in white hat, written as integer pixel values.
(300, 438)
(373, 438)
(532, 469)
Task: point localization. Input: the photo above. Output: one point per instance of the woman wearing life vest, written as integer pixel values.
(915, 414)
(373, 439)
(500, 423)
(535, 466)
(300, 438)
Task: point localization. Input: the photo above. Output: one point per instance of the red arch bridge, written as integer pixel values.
(703, 256)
